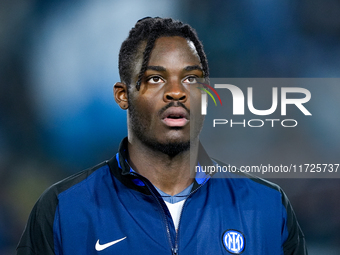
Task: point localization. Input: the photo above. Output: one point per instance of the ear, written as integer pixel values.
(120, 93)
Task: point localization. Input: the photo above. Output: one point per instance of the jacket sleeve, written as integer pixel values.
(295, 243)
(37, 238)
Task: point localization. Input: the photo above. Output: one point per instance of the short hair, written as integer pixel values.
(148, 30)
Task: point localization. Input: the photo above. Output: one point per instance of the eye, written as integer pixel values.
(190, 80)
(155, 80)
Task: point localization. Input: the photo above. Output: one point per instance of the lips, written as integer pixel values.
(175, 117)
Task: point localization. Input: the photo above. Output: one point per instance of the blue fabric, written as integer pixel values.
(111, 204)
(201, 176)
(176, 198)
(107, 210)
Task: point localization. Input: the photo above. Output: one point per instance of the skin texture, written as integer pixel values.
(161, 112)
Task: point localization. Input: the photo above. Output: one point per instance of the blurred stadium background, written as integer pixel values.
(58, 63)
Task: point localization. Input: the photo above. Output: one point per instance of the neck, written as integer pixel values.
(171, 174)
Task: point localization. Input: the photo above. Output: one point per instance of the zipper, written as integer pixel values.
(174, 250)
(145, 181)
(180, 216)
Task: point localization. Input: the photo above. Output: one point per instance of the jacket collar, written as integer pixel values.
(122, 171)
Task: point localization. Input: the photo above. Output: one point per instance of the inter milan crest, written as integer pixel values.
(233, 241)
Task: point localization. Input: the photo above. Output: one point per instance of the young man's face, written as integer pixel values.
(159, 113)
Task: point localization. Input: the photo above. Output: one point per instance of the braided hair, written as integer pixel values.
(147, 30)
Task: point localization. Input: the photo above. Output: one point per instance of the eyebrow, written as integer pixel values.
(187, 68)
(156, 68)
(195, 67)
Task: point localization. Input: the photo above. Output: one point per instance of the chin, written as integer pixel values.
(173, 148)
(170, 146)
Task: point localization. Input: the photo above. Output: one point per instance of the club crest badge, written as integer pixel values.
(233, 241)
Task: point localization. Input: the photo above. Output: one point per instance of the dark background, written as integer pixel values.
(58, 63)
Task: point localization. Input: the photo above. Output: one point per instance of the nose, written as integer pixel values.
(175, 91)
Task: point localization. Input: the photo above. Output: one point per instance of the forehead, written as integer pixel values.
(172, 51)
(174, 48)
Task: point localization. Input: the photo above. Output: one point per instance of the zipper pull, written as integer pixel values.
(174, 251)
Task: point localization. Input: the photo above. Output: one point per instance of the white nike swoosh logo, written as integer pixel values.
(100, 247)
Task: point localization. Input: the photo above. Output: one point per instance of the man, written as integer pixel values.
(144, 200)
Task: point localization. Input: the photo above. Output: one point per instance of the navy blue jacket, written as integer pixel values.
(111, 210)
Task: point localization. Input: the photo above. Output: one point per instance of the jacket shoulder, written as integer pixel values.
(37, 237)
